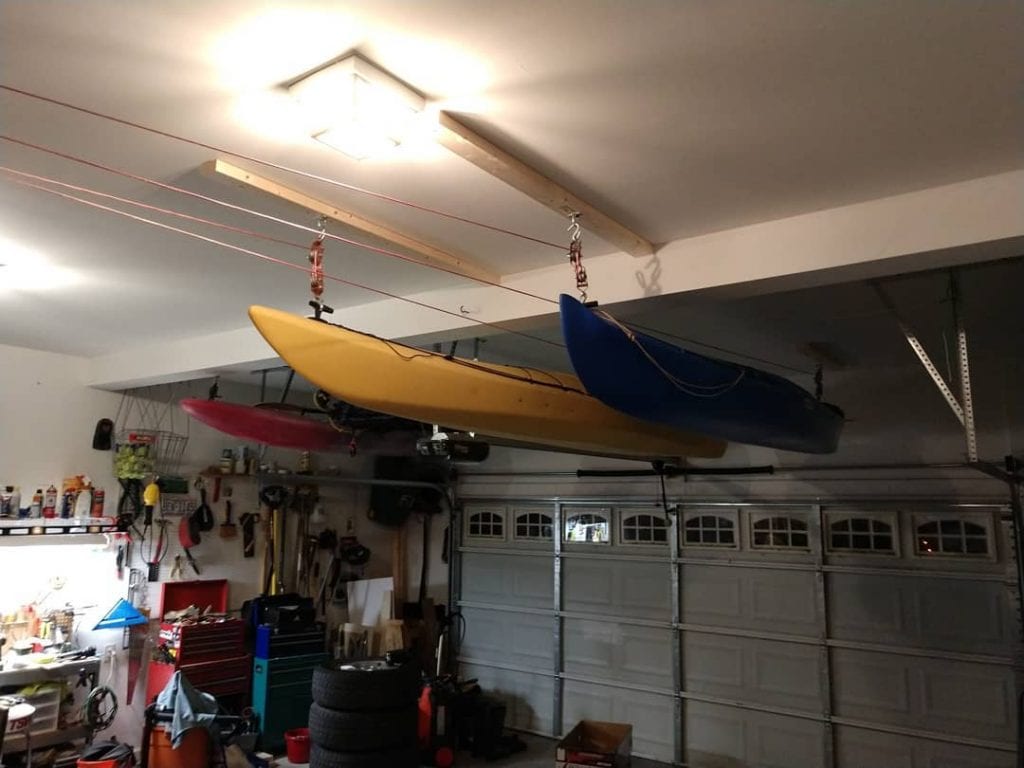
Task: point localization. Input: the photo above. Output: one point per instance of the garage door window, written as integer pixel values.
(644, 529)
(486, 525)
(533, 526)
(779, 532)
(704, 530)
(952, 537)
(589, 527)
(863, 534)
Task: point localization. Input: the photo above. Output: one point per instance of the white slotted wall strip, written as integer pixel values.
(804, 636)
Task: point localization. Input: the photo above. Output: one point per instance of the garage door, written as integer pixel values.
(741, 634)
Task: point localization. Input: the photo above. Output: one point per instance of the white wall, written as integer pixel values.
(47, 418)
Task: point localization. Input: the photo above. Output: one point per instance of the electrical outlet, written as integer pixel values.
(109, 651)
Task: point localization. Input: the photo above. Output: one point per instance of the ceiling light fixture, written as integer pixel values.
(356, 108)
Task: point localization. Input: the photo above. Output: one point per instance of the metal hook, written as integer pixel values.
(574, 225)
(321, 225)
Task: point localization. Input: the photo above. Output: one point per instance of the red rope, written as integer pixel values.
(265, 216)
(274, 260)
(156, 208)
(275, 166)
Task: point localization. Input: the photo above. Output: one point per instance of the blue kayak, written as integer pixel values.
(651, 379)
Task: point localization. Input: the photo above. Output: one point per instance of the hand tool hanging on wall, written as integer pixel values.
(135, 637)
(202, 518)
(274, 498)
(129, 506)
(303, 501)
(280, 536)
(188, 537)
(248, 522)
(156, 532)
(158, 546)
(267, 564)
(228, 529)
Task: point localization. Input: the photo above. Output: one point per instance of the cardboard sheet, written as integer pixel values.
(369, 601)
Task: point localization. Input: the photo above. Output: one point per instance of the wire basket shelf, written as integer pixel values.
(139, 453)
(146, 442)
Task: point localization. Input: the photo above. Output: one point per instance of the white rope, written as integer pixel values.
(711, 391)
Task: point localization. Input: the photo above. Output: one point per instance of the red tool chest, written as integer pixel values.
(211, 654)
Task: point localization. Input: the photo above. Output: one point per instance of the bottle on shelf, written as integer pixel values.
(83, 503)
(36, 510)
(98, 498)
(50, 502)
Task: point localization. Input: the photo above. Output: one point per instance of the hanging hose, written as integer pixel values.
(100, 708)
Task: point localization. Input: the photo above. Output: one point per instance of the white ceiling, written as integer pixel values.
(677, 117)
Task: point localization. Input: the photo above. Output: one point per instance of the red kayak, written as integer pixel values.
(284, 429)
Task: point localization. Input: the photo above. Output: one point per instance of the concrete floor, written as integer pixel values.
(540, 753)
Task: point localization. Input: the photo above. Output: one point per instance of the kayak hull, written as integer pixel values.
(665, 384)
(281, 429)
(540, 408)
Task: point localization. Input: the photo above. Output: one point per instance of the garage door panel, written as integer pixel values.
(961, 614)
(617, 588)
(711, 596)
(750, 598)
(528, 698)
(947, 614)
(867, 608)
(651, 715)
(970, 698)
(860, 748)
(752, 634)
(937, 695)
(507, 580)
(517, 639)
(609, 651)
(725, 736)
(753, 670)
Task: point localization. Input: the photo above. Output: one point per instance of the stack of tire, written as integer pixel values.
(364, 715)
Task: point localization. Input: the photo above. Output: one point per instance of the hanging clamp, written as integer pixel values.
(316, 270)
(576, 255)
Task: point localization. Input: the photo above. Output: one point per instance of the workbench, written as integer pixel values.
(47, 673)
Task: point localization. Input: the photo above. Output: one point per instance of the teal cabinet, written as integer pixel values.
(282, 693)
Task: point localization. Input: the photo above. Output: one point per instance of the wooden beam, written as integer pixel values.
(422, 252)
(473, 147)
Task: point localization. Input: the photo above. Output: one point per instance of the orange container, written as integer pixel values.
(193, 752)
(296, 742)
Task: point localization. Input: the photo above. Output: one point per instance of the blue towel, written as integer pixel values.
(192, 708)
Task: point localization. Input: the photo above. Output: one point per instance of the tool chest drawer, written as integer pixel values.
(282, 693)
(274, 645)
(225, 677)
(192, 643)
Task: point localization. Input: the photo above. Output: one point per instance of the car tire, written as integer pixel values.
(363, 731)
(365, 686)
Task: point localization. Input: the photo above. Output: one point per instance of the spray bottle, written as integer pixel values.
(50, 502)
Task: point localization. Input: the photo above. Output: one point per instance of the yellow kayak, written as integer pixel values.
(523, 405)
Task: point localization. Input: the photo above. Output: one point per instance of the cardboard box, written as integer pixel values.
(593, 744)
